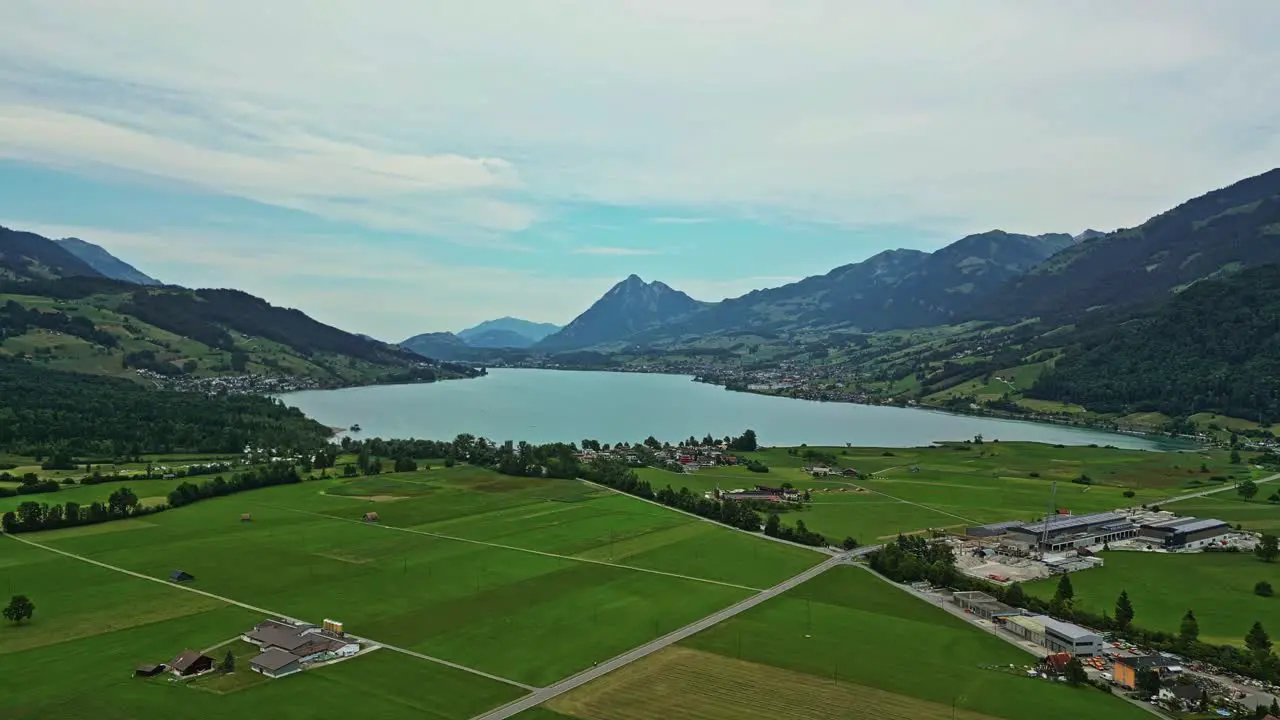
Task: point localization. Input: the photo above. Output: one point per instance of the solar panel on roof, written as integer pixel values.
(1199, 525)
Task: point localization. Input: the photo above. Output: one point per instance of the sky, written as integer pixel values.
(397, 166)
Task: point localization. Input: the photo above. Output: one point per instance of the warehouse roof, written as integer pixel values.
(1074, 522)
(1198, 525)
(1065, 629)
(1028, 622)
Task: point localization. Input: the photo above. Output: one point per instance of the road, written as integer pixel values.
(540, 696)
(1216, 490)
(263, 611)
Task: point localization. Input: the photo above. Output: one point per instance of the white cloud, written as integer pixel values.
(1033, 114)
(619, 251)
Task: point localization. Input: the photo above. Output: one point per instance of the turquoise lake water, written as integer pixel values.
(552, 405)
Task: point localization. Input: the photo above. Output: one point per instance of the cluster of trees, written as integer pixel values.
(16, 320)
(30, 485)
(276, 474)
(773, 527)
(911, 558)
(88, 415)
(1214, 348)
(31, 516)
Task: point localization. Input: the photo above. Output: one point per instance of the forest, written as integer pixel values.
(1213, 348)
(47, 411)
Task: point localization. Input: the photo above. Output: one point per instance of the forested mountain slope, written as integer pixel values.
(45, 410)
(1213, 348)
(27, 256)
(1222, 231)
(890, 290)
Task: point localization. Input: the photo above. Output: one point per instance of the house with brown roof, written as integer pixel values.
(191, 663)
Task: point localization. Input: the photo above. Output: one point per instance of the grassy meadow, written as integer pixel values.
(845, 644)
(1218, 587)
(526, 579)
(960, 484)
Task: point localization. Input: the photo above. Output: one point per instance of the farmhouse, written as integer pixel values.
(180, 576)
(191, 663)
(149, 670)
(288, 648)
(1184, 533)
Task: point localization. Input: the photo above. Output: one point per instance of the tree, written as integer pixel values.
(20, 608)
(229, 662)
(406, 464)
(1263, 588)
(1015, 595)
(1258, 642)
(1247, 489)
(1129, 493)
(1268, 548)
(746, 442)
(9, 522)
(1065, 593)
(849, 543)
(772, 525)
(1074, 672)
(1235, 457)
(1189, 631)
(1124, 610)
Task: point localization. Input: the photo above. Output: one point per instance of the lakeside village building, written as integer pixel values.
(1065, 532)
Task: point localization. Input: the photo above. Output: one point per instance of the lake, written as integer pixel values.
(542, 406)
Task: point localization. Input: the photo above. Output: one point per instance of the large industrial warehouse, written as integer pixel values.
(1184, 533)
(1067, 532)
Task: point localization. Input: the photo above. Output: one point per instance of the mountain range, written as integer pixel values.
(61, 309)
(993, 276)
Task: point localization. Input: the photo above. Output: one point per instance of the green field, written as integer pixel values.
(1257, 514)
(1218, 587)
(526, 579)
(962, 484)
(845, 644)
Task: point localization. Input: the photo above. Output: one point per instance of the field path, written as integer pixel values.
(905, 502)
(442, 536)
(264, 611)
(540, 696)
(825, 551)
(1224, 488)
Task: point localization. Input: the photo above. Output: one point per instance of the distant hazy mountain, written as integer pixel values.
(892, 289)
(104, 262)
(439, 346)
(507, 332)
(1088, 235)
(27, 256)
(629, 307)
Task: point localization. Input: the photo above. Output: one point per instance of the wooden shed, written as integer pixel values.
(371, 517)
(245, 517)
